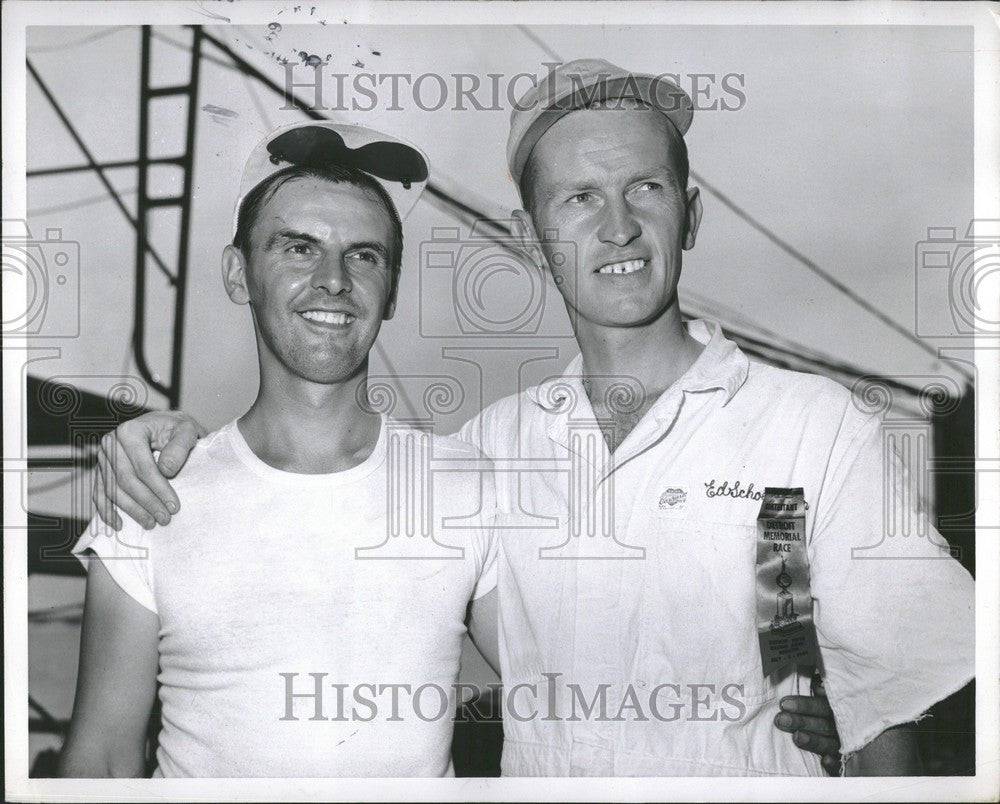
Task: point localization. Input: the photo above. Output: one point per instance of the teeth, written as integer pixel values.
(328, 318)
(629, 267)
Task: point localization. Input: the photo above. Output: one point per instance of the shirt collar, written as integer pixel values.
(721, 365)
(562, 397)
(552, 394)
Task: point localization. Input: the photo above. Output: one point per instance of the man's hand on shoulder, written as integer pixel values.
(129, 477)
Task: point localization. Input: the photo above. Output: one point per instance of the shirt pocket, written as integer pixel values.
(698, 615)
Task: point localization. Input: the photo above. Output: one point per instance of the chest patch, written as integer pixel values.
(673, 498)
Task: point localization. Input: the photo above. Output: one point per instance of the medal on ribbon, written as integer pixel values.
(784, 603)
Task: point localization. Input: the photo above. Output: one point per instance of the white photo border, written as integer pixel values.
(18, 15)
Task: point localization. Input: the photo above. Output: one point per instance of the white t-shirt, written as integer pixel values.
(348, 590)
(630, 578)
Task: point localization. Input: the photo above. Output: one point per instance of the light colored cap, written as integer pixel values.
(577, 85)
(399, 166)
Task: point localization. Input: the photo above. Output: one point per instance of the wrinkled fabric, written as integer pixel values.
(627, 582)
(259, 574)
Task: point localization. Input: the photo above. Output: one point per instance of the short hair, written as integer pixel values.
(678, 152)
(257, 198)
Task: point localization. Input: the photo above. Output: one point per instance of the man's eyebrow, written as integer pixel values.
(290, 234)
(584, 182)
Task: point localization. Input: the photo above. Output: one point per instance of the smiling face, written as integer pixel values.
(607, 180)
(318, 277)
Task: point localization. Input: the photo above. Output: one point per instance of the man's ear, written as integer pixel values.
(234, 275)
(692, 218)
(523, 229)
(390, 304)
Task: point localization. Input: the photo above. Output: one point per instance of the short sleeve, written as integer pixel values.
(486, 538)
(124, 553)
(894, 611)
(472, 433)
(488, 573)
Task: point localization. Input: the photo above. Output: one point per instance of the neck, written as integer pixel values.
(313, 428)
(655, 354)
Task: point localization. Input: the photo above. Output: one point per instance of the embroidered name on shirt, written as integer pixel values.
(724, 489)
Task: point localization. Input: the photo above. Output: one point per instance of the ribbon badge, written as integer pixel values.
(785, 625)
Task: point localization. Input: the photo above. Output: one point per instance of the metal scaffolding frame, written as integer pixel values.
(148, 204)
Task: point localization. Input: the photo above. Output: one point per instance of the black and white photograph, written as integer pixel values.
(408, 400)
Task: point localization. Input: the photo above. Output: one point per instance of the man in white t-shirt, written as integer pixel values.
(296, 620)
